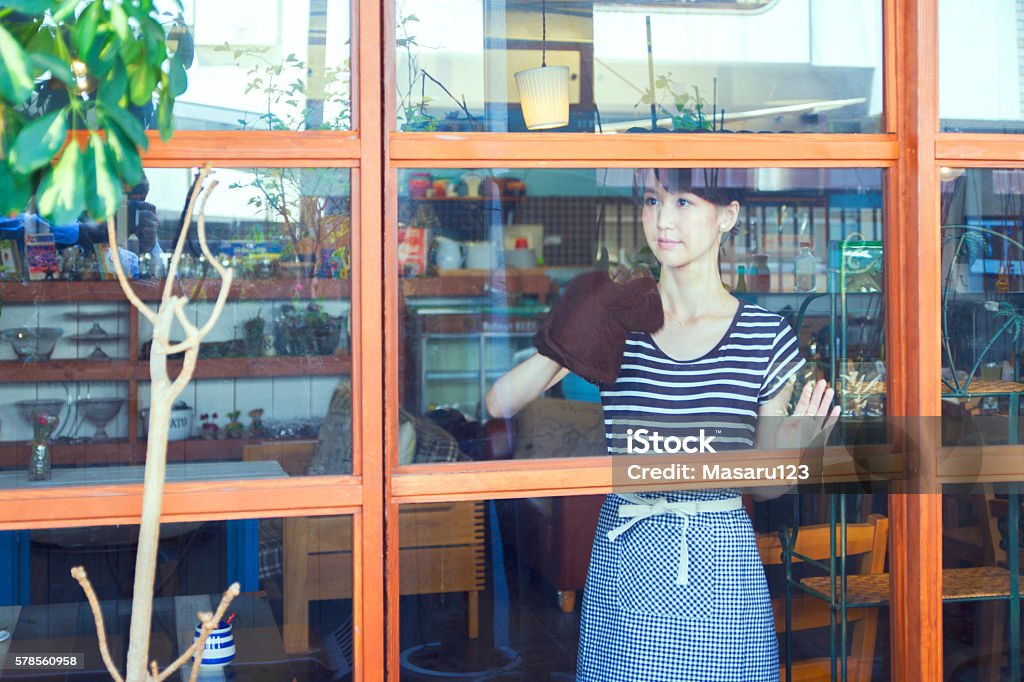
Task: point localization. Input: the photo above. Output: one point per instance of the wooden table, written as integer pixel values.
(69, 628)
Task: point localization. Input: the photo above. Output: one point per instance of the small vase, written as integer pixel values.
(39, 464)
(219, 649)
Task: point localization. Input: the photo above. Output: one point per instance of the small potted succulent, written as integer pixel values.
(305, 330)
(234, 428)
(256, 428)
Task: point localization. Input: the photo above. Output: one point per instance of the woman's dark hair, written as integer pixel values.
(700, 181)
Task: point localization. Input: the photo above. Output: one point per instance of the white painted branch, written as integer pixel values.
(162, 395)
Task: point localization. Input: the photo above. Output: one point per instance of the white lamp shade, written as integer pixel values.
(544, 94)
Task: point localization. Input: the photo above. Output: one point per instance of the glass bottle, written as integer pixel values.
(741, 278)
(759, 277)
(805, 269)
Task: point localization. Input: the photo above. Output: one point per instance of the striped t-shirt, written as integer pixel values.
(719, 392)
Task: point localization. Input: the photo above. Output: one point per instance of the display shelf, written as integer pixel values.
(66, 370)
(278, 366)
(151, 290)
(207, 368)
(15, 454)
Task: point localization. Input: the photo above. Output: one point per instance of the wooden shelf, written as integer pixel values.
(537, 284)
(66, 370)
(151, 290)
(279, 366)
(16, 454)
(207, 368)
(283, 289)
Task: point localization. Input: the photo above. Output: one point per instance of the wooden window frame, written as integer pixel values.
(912, 151)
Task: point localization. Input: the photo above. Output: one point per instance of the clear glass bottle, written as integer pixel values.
(741, 278)
(805, 269)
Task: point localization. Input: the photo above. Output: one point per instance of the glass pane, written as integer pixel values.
(982, 285)
(282, 626)
(486, 253)
(977, 547)
(271, 391)
(982, 322)
(980, 62)
(268, 65)
(613, 66)
(533, 589)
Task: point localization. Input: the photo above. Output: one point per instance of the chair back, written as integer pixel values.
(293, 455)
(866, 546)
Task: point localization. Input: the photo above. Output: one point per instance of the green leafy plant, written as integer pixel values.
(688, 111)
(91, 69)
(285, 89)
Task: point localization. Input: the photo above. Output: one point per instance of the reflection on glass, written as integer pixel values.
(484, 255)
(522, 577)
(980, 86)
(639, 66)
(277, 634)
(271, 393)
(982, 319)
(267, 65)
(977, 546)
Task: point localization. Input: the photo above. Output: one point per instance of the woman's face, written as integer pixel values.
(683, 229)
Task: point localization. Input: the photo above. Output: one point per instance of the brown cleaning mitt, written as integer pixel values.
(586, 329)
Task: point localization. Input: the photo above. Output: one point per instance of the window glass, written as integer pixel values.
(266, 65)
(492, 260)
(982, 285)
(982, 322)
(295, 625)
(613, 67)
(534, 589)
(980, 60)
(271, 393)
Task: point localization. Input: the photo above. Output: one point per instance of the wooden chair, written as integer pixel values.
(441, 549)
(866, 544)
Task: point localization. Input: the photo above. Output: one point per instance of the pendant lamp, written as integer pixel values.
(544, 91)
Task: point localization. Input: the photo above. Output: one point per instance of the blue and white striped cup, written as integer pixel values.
(220, 646)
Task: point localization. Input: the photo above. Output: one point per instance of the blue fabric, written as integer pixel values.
(63, 235)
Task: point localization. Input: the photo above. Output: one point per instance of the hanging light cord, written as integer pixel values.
(544, 33)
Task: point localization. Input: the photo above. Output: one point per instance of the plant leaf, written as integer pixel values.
(59, 69)
(15, 191)
(28, 6)
(141, 83)
(124, 156)
(165, 116)
(85, 30)
(178, 79)
(104, 190)
(39, 141)
(111, 89)
(127, 123)
(119, 22)
(15, 77)
(61, 193)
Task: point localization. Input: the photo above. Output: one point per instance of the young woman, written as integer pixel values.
(676, 590)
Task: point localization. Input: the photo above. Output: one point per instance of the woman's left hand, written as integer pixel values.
(812, 419)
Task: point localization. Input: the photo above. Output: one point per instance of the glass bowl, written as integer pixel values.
(33, 344)
(31, 409)
(99, 412)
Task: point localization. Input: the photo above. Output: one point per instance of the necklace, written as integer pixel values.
(686, 323)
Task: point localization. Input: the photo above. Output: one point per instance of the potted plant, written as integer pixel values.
(98, 70)
(234, 428)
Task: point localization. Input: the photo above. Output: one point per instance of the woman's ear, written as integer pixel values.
(728, 215)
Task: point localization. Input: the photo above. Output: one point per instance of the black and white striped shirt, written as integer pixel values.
(719, 392)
